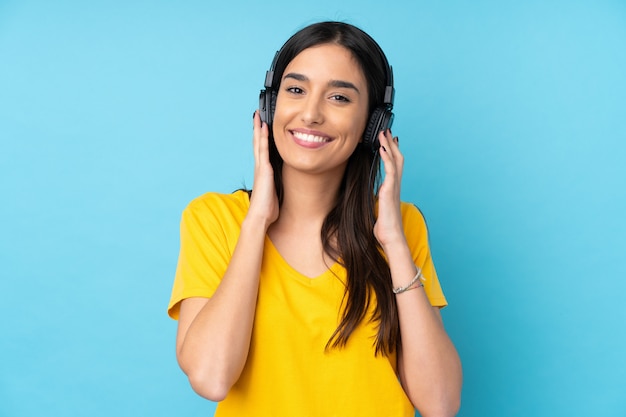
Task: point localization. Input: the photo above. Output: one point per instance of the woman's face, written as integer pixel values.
(321, 110)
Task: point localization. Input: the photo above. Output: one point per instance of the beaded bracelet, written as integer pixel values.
(417, 277)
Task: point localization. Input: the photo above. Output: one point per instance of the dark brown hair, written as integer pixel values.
(348, 230)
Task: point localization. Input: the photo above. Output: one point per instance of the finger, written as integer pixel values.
(393, 141)
(261, 140)
(264, 147)
(255, 136)
(393, 160)
(386, 155)
(398, 157)
(393, 147)
(385, 144)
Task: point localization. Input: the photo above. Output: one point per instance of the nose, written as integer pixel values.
(312, 110)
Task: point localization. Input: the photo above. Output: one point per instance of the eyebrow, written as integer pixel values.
(331, 83)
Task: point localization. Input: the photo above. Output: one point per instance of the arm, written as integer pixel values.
(428, 364)
(214, 334)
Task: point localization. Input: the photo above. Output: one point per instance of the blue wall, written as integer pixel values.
(113, 115)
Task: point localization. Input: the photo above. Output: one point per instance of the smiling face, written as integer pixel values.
(321, 110)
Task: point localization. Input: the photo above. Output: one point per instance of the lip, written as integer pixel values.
(298, 136)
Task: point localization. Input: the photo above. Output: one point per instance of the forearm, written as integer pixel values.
(215, 346)
(429, 366)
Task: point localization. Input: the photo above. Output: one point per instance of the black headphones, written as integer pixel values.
(380, 119)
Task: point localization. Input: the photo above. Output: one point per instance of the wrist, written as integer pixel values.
(396, 246)
(255, 225)
(416, 282)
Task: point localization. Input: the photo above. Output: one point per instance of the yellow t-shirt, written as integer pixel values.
(288, 371)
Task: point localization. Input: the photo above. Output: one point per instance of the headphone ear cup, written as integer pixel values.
(267, 105)
(272, 107)
(263, 105)
(381, 119)
(369, 137)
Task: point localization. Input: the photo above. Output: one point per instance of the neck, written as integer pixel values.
(307, 199)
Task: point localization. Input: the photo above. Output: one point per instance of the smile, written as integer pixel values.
(305, 137)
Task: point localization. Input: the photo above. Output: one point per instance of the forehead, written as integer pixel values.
(327, 61)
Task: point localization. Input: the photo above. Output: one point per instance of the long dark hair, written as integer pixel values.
(348, 230)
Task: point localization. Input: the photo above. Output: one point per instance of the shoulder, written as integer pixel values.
(213, 202)
(216, 211)
(414, 224)
(412, 216)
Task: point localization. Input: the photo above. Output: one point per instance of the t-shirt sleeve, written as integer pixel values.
(205, 251)
(417, 236)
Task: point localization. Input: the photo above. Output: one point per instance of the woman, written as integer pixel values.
(313, 295)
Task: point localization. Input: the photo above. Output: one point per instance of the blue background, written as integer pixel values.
(114, 115)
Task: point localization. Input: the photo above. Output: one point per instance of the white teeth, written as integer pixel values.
(309, 138)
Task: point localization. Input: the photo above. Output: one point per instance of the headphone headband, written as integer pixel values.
(269, 75)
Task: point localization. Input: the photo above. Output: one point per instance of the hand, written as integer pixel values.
(388, 227)
(263, 202)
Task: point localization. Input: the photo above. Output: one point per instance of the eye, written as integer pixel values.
(339, 97)
(295, 90)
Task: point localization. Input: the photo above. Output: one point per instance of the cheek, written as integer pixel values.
(360, 126)
(278, 120)
(278, 132)
(280, 107)
(281, 115)
(361, 120)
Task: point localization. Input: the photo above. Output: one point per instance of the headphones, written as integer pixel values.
(380, 119)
